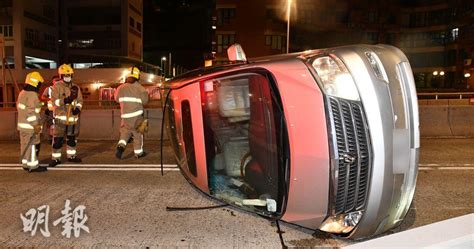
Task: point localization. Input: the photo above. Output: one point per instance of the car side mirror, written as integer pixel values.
(236, 53)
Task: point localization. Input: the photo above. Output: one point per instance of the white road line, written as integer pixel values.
(98, 169)
(174, 167)
(100, 165)
(446, 165)
(446, 168)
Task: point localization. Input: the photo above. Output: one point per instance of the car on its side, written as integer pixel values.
(326, 139)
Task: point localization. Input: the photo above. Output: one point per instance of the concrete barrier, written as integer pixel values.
(98, 124)
(455, 119)
(94, 125)
(435, 121)
(8, 120)
(461, 120)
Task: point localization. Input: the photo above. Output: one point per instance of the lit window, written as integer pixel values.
(224, 40)
(86, 43)
(454, 34)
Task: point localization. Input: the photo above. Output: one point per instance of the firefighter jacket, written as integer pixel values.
(46, 97)
(29, 108)
(132, 97)
(60, 91)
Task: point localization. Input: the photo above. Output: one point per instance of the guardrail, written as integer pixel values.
(437, 95)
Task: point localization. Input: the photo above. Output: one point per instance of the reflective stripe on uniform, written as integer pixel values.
(57, 102)
(71, 119)
(25, 126)
(50, 104)
(132, 114)
(24, 161)
(71, 152)
(130, 99)
(56, 155)
(21, 106)
(37, 110)
(79, 105)
(122, 142)
(138, 151)
(31, 118)
(32, 164)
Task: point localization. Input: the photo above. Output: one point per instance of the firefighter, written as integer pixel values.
(132, 96)
(46, 98)
(67, 104)
(29, 124)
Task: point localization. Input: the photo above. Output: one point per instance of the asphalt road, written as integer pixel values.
(128, 208)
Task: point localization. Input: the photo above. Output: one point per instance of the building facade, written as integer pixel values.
(30, 31)
(101, 31)
(437, 36)
(259, 26)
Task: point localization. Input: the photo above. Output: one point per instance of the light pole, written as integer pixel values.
(288, 11)
(163, 59)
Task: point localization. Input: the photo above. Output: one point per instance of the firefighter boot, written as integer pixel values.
(119, 152)
(54, 163)
(74, 159)
(39, 169)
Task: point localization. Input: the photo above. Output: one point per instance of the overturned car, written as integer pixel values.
(326, 139)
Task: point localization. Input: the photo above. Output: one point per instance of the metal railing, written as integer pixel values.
(446, 95)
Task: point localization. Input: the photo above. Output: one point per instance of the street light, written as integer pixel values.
(288, 10)
(163, 59)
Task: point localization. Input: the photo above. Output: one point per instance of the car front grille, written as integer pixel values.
(351, 155)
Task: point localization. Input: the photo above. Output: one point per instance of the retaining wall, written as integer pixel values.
(435, 121)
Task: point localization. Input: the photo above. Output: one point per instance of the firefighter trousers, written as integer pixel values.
(30, 158)
(128, 129)
(61, 133)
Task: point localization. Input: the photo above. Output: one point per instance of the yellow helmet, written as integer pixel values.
(34, 78)
(134, 73)
(65, 69)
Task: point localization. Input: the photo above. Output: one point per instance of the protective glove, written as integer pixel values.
(68, 100)
(37, 128)
(76, 111)
(143, 127)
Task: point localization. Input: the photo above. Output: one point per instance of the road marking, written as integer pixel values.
(446, 168)
(174, 167)
(99, 167)
(446, 165)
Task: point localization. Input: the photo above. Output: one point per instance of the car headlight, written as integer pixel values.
(335, 78)
(342, 223)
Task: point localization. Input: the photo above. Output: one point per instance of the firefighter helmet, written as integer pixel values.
(65, 69)
(34, 79)
(134, 73)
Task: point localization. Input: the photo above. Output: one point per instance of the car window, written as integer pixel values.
(242, 128)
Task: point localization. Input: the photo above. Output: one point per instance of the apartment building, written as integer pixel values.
(259, 26)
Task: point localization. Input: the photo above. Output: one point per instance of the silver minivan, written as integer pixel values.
(327, 139)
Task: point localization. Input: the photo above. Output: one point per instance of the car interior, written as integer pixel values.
(241, 141)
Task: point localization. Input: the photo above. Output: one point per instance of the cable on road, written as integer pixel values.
(280, 234)
(170, 209)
